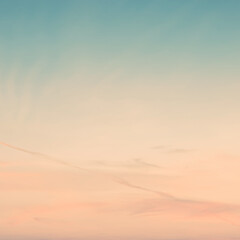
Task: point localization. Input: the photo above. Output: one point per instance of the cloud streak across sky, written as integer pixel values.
(136, 104)
(175, 204)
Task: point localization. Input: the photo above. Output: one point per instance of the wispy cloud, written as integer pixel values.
(147, 164)
(180, 150)
(44, 156)
(114, 178)
(228, 213)
(128, 184)
(167, 201)
(159, 147)
(169, 149)
(42, 213)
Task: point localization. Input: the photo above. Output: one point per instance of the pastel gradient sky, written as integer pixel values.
(119, 119)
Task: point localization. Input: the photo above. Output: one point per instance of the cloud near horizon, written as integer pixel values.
(119, 120)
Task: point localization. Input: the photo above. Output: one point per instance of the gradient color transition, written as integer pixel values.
(119, 120)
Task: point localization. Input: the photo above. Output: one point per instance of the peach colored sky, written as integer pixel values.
(119, 120)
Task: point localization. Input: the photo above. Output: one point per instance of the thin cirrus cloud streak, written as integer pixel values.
(110, 80)
(47, 157)
(143, 163)
(168, 201)
(168, 149)
(159, 193)
(114, 178)
(228, 213)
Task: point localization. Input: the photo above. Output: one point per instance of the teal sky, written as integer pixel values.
(101, 35)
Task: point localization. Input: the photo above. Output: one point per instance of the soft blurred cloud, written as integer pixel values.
(119, 120)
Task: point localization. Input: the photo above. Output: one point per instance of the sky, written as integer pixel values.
(119, 119)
